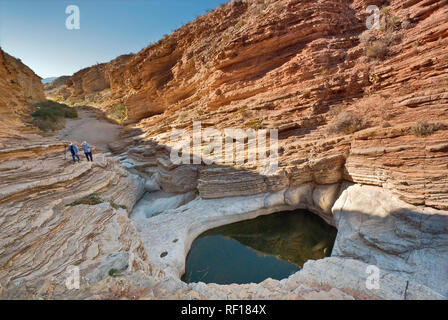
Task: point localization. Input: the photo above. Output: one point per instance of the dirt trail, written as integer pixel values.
(87, 127)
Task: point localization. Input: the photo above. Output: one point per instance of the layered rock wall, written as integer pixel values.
(45, 232)
(19, 86)
(295, 66)
(290, 65)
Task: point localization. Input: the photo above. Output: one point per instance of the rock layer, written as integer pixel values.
(19, 86)
(290, 65)
(293, 66)
(44, 233)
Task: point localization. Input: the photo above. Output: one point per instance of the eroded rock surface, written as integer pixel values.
(294, 65)
(288, 64)
(43, 232)
(398, 238)
(408, 244)
(19, 86)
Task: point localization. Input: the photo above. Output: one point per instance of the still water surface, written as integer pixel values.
(273, 246)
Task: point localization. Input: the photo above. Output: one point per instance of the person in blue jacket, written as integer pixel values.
(87, 151)
(74, 151)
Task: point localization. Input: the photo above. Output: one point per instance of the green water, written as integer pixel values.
(273, 246)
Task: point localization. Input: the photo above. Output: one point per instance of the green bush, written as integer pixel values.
(91, 200)
(113, 272)
(116, 206)
(49, 115)
(94, 199)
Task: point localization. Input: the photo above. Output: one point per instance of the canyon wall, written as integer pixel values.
(46, 227)
(299, 67)
(88, 86)
(296, 66)
(19, 86)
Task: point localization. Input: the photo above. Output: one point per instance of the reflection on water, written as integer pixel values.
(273, 246)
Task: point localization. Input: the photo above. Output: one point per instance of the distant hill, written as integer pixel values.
(48, 80)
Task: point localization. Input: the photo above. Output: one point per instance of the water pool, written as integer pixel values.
(273, 246)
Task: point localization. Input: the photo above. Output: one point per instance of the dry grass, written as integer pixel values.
(347, 122)
(406, 24)
(365, 37)
(424, 129)
(255, 124)
(377, 50)
(242, 112)
(118, 113)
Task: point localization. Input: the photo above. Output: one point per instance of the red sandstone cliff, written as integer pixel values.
(90, 85)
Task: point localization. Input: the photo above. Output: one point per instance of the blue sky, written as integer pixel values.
(35, 32)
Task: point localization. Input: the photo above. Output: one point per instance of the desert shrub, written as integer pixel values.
(378, 49)
(116, 206)
(325, 72)
(391, 38)
(113, 272)
(424, 129)
(347, 123)
(365, 37)
(335, 110)
(242, 111)
(118, 113)
(91, 200)
(393, 22)
(49, 115)
(278, 7)
(256, 124)
(406, 24)
(373, 78)
(239, 25)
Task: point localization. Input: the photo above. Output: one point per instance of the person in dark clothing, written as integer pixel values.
(87, 151)
(74, 151)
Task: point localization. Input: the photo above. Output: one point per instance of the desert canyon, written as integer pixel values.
(306, 68)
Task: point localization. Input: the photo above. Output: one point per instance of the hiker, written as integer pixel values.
(74, 151)
(87, 151)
